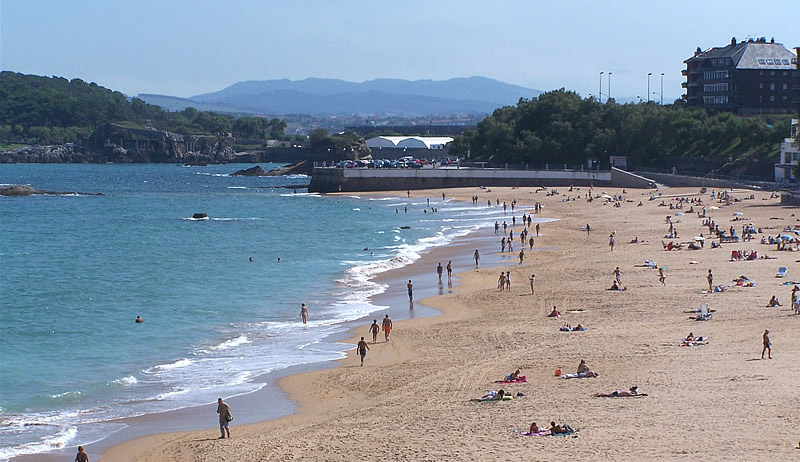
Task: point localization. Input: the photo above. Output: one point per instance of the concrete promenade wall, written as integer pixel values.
(361, 179)
(681, 180)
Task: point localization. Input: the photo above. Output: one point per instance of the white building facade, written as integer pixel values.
(790, 155)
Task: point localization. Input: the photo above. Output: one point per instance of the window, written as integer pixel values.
(785, 86)
(772, 87)
(772, 99)
(761, 61)
(769, 61)
(761, 86)
(785, 61)
(715, 100)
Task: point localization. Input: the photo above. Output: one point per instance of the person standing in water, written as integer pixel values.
(387, 327)
(449, 269)
(362, 350)
(439, 271)
(304, 313)
(410, 287)
(477, 257)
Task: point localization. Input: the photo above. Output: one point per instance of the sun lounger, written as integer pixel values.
(781, 272)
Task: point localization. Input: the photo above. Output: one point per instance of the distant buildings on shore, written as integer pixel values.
(749, 77)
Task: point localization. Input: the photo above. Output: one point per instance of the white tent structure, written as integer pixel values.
(415, 142)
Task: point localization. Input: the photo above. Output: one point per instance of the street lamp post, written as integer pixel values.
(648, 86)
(662, 89)
(600, 93)
(608, 95)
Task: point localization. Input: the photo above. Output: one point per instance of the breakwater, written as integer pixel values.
(327, 179)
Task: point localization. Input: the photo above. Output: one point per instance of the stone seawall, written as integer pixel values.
(352, 180)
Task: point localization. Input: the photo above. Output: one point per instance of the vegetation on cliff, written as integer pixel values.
(54, 110)
(559, 127)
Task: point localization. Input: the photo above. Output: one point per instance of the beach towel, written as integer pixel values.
(520, 379)
(548, 433)
(571, 329)
(489, 400)
(576, 376)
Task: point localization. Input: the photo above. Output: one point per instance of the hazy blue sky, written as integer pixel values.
(184, 47)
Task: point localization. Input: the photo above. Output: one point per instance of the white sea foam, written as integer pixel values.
(234, 342)
(125, 381)
(177, 364)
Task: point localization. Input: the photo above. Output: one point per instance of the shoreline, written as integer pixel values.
(413, 393)
(273, 395)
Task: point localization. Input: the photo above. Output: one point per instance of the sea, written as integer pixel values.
(220, 297)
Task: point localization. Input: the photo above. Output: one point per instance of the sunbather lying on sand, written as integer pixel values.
(491, 396)
(632, 391)
(556, 429)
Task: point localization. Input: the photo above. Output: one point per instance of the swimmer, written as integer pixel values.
(139, 320)
(251, 258)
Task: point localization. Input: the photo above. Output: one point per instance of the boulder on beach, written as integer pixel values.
(252, 171)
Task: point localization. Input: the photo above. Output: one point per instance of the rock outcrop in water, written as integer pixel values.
(252, 171)
(21, 190)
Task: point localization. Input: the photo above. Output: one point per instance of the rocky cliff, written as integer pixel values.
(115, 143)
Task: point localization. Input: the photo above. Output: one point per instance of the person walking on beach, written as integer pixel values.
(537, 229)
(501, 281)
(767, 345)
(374, 328)
(508, 280)
(662, 277)
(410, 287)
(710, 279)
(387, 327)
(521, 256)
(439, 271)
(611, 241)
(81, 456)
(533, 281)
(362, 350)
(502, 245)
(496, 227)
(588, 229)
(225, 418)
(449, 269)
(304, 313)
(477, 257)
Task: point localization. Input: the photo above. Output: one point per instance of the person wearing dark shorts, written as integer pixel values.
(362, 350)
(410, 291)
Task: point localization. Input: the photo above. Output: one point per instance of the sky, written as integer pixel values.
(184, 48)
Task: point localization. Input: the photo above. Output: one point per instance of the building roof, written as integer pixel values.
(423, 142)
(758, 54)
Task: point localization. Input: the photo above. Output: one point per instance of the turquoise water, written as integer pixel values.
(77, 270)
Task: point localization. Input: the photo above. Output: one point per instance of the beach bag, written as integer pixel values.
(228, 417)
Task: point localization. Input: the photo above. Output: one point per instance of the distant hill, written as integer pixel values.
(174, 104)
(380, 96)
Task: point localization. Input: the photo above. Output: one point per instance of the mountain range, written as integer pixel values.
(326, 97)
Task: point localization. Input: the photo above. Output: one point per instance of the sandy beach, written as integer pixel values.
(411, 400)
